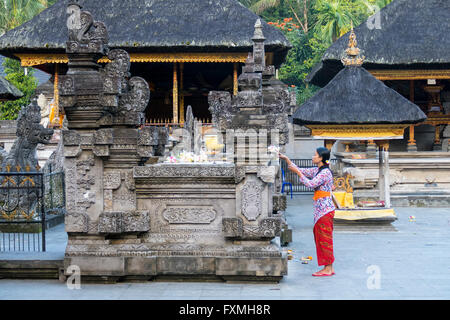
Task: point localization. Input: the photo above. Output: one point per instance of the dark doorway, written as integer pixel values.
(196, 79)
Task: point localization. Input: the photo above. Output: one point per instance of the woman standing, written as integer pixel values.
(321, 180)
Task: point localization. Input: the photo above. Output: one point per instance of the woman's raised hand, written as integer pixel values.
(282, 156)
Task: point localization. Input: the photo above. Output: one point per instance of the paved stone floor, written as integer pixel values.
(405, 260)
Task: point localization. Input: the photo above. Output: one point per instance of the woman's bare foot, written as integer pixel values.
(327, 270)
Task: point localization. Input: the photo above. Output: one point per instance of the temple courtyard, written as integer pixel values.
(405, 260)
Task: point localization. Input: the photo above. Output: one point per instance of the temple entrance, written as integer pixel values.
(174, 86)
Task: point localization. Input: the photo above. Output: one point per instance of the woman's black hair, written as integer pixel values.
(324, 153)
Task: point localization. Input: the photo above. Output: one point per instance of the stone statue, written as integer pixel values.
(30, 133)
(23, 158)
(45, 110)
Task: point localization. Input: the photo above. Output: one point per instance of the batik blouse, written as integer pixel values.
(319, 181)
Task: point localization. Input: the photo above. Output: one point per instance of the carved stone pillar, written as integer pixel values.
(252, 120)
(104, 141)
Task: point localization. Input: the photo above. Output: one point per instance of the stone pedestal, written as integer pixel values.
(371, 149)
(446, 139)
(202, 221)
(437, 146)
(446, 145)
(411, 147)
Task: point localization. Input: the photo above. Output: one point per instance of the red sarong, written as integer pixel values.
(323, 236)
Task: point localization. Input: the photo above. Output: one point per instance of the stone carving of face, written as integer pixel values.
(29, 127)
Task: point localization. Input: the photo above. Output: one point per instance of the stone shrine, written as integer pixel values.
(130, 220)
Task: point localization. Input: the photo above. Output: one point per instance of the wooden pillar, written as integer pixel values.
(181, 92)
(175, 93)
(412, 145)
(235, 79)
(437, 138)
(54, 112)
(329, 144)
(412, 142)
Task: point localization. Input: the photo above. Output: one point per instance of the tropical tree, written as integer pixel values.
(297, 9)
(310, 26)
(15, 12)
(26, 83)
(334, 18)
(381, 3)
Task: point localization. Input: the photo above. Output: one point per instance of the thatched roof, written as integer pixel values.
(354, 96)
(8, 91)
(414, 34)
(151, 26)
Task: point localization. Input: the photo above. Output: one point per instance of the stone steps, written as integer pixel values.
(31, 269)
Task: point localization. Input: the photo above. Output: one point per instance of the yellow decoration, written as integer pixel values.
(235, 79)
(353, 58)
(10, 216)
(410, 74)
(29, 179)
(175, 93)
(29, 59)
(28, 216)
(358, 132)
(10, 179)
(364, 214)
(213, 145)
(52, 114)
(344, 199)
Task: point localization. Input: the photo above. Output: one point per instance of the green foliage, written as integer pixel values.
(323, 23)
(13, 13)
(15, 74)
(334, 18)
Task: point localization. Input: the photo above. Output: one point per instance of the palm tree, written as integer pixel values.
(260, 6)
(299, 8)
(369, 7)
(15, 12)
(382, 3)
(334, 18)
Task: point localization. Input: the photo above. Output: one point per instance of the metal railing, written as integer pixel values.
(22, 214)
(28, 200)
(297, 186)
(54, 192)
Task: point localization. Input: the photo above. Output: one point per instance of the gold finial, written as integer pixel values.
(353, 57)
